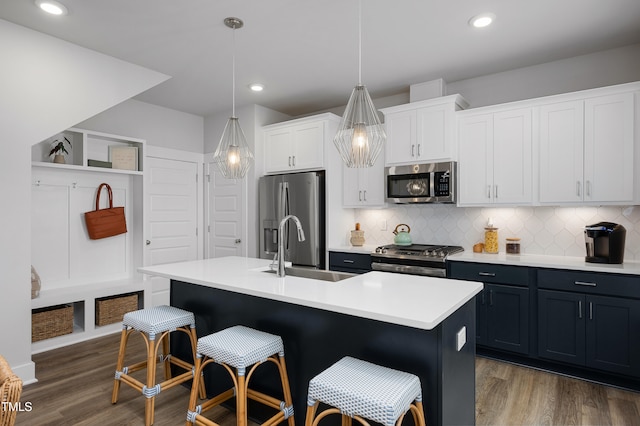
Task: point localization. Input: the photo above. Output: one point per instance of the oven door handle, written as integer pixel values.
(409, 269)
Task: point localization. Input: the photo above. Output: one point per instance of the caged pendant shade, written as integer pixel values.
(361, 136)
(233, 156)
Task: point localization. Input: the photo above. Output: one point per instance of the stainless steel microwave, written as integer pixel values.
(421, 183)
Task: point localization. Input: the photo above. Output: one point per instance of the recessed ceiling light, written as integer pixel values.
(482, 20)
(256, 87)
(51, 6)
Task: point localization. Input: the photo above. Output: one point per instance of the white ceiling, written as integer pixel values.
(306, 52)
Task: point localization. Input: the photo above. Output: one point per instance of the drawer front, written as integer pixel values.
(590, 282)
(344, 260)
(490, 273)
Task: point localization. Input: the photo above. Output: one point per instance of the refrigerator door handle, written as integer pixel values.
(281, 202)
(285, 211)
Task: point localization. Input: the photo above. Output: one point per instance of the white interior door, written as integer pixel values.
(172, 217)
(227, 215)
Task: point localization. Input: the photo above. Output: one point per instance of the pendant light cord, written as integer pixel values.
(233, 77)
(359, 42)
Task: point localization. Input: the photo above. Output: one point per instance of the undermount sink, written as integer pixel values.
(315, 274)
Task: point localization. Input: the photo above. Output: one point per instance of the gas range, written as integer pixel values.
(416, 259)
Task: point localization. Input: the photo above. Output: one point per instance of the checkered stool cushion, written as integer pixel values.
(240, 346)
(361, 388)
(158, 320)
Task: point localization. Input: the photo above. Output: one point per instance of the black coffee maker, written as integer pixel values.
(605, 242)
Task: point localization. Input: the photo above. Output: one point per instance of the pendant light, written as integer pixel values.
(233, 156)
(360, 136)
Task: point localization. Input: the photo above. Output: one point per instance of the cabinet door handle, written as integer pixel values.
(348, 261)
(587, 188)
(580, 309)
(365, 194)
(578, 188)
(488, 191)
(359, 195)
(495, 192)
(487, 274)
(413, 149)
(490, 297)
(590, 310)
(585, 283)
(418, 150)
(294, 161)
(289, 161)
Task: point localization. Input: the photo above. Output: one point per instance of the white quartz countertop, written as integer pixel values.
(545, 261)
(410, 300)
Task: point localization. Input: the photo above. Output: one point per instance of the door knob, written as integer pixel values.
(148, 242)
(238, 240)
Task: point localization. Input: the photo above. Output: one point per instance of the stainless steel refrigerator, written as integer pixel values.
(302, 195)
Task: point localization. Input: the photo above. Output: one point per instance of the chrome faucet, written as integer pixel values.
(280, 255)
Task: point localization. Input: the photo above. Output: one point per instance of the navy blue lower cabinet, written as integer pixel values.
(502, 308)
(508, 318)
(504, 324)
(561, 326)
(595, 331)
(613, 334)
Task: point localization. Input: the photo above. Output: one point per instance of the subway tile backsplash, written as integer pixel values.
(542, 230)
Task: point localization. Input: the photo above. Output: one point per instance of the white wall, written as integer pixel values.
(599, 69)
(159, 126)
(32, 109)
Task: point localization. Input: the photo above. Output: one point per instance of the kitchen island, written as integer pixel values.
(422, 325)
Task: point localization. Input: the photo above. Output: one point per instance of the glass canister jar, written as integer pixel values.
(491, 239)
(513, 245)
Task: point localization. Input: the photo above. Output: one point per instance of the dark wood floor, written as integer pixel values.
(75, 384)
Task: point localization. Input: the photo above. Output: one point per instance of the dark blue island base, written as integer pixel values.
(315, 338)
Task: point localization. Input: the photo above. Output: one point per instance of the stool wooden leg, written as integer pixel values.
(311, 413)
(241, 401)
(194, 344)
(152, 353)
(165, 356)
(286, 390)
(422, 421)
(193, 399)
(124, 336)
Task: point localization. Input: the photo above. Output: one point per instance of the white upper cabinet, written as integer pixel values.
(422, 131)
(297, 144)
(587, 150)
(364, 187)
(561, 148)
(495, 153)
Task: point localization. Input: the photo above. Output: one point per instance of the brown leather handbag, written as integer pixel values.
(103, 223)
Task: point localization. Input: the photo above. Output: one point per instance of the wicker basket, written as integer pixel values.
(111, 309)
(51, 322)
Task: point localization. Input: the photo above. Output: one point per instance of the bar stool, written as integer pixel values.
(151, 323)
(361, 390)
(240, 350)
